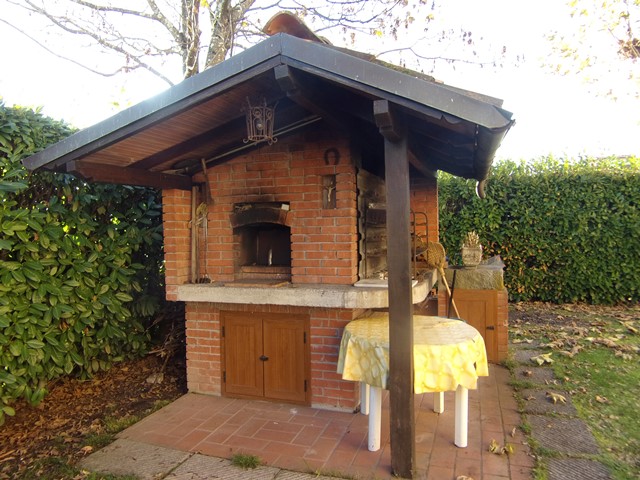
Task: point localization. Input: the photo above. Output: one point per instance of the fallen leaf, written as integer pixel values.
(600, 399)
(624, 356)
(542, 359)
(630, 327)
(556, 397)
(556, 344)
(86, 449)
(513, 432)
(494, 447)
(507, 449)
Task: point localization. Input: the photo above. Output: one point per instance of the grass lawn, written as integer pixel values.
(596, 357)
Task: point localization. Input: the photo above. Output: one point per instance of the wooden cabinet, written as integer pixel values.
(486, 311)
(266, 356)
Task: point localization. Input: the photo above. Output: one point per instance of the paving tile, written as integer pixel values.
(202, 467)
(576, 469)
(537, 402)
(565, 435)
(125, 457)
(535, 375)
(524, 356)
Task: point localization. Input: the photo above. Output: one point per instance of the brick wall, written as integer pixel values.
(424, 198)
(204, 344)
(324, 248)
(176, 216)
(324, 240)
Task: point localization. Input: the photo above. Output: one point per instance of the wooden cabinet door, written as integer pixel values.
(242, 349)
(285, 369)
(479, 309)
(266, 356)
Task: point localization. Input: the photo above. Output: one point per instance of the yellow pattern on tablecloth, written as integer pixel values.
(447, 353)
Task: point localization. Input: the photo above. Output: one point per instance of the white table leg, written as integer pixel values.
(462, 416)
(364, 398)
(438, 402)
(375, 418)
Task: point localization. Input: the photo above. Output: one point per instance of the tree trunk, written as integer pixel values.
(224, 22)
(190, 30)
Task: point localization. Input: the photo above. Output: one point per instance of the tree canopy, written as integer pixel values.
(601, 43)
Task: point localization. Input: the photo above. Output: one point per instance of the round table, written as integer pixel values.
(449, 355)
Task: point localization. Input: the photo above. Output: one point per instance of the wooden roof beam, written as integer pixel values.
(307, 98)
(127, 176)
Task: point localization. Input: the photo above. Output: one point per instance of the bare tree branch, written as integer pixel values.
(145, 34)
(103, 8)
(73, 27)
(42, 45)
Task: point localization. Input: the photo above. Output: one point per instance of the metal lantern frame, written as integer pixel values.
(260, 120)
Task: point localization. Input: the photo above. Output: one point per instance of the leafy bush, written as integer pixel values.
(567, 232)
(79, 266)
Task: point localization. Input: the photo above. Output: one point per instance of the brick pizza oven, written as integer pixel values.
(280, 262)
(274, 244)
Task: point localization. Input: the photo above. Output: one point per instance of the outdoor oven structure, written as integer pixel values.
(270, 243)
(283, 266)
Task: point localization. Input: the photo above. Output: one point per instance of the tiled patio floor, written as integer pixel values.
(312, 440)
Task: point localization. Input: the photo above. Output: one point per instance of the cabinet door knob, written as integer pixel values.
(263, 358)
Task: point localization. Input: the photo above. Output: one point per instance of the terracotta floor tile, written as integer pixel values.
(308, 435)
(215, 449)
(440, 473)
(248, 443)
(323, 448)
(470, 468)
(367, 458)
(267, 435)
(495, 464)
(190, 440)
(289, 449)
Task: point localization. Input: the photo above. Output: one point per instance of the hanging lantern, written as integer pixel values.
(260, 121)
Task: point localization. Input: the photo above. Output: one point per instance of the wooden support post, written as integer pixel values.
(396, 154)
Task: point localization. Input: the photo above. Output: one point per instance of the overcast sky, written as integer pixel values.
(553, 114)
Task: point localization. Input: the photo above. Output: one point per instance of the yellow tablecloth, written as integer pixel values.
(446, 353)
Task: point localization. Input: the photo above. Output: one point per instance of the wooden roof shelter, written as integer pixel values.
(159, 142)
(406, 124)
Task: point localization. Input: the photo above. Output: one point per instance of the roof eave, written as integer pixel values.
(178, 97)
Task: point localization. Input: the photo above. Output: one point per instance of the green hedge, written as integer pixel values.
(79, 266)
(566, 231)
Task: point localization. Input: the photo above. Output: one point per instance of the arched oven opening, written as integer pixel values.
(262, 239)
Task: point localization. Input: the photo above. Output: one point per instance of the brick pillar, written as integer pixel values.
(176, 216)
(424, 199)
